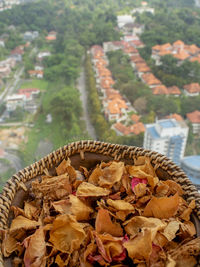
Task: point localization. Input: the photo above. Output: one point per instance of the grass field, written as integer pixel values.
(53, 133)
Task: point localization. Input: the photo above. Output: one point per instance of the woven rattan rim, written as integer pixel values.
(116, 151)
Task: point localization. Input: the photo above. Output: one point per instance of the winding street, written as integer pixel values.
(83, 96)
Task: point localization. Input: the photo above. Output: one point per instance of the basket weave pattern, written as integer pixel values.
(117, 152)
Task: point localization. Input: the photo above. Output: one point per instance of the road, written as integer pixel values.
(84, 98)
(12, 85)
(14, 160)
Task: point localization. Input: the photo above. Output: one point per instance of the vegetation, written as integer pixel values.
(102, 127)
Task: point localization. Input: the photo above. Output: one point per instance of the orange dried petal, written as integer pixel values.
(140, 247)
(171, 230)
(90, 190)
(66, 234)
(138, 223)
(80, 209)
(35, 249)
(104, 224)
(163, 207)
(120, 205)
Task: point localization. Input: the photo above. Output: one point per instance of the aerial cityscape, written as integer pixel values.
(126, 73)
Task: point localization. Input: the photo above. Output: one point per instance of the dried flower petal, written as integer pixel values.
(140, 247)
(90, 190)
(66, 234)
(120, 205)
(104, 224)
(171, 229)
(137, 223)
(80, 209)
(163, 207)
(9, 244)
(35, 249)
(21, 222)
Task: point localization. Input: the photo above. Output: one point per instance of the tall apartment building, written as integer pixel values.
(191, 166)
(167, 137)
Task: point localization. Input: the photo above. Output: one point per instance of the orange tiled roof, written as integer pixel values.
(182, 55)
(50, 38)
(103, 72)
(142, 67)
(112, 94)
(195, 59)
(160, 90)
(130, 50)
(116, 105)
(150, 79)
(192, 88)
(194, 117)
(137, 59)
(174, 90)
(122, 128)
(135, 118)
(137, 128)
(165, 52)
(192, 49)
(175, 116)
(178, 43)
(156, 47)
(107, 83)
(34, 72)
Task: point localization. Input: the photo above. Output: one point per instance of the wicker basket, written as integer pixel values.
(88, 154)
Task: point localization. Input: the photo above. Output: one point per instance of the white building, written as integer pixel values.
(124, 19)
(191, 166)
(167, 137)
(14, 101)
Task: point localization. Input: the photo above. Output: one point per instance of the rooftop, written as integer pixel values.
(192, 162)
(167, 123)
(194, 117)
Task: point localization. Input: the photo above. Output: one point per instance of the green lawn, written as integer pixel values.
(55, 132)
(35, 83)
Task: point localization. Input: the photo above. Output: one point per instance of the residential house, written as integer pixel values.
(124, 19)
(175, 116)
(136, 59)
(17, 53)
(36, 73)
(4, 71)
(29, 36)
(141, 68)
(160, 90)
(14, 101)
(112, 46)
(137, 43)
(174, 90)
(138, 29)
(116, 109)
(134, 129)
(194, 118)
(178, 49)
(192, 89)
(52, 36)
(150, 80)
(42, 55)
(29, 93)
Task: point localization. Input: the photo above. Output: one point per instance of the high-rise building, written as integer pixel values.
(191, 166)
(167, 137)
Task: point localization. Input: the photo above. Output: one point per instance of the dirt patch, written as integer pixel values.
(12, 137)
